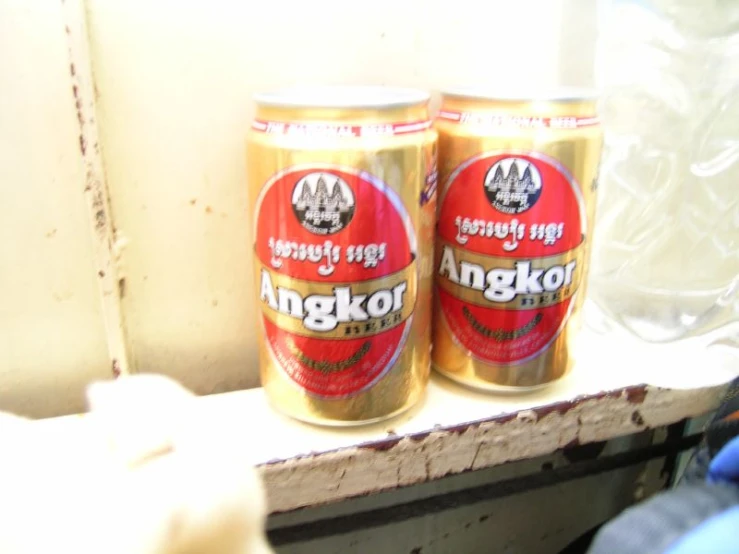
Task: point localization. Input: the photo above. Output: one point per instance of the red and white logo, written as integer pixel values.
(337, 276)
(509, 255)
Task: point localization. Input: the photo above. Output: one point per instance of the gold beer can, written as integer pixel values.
(342, 185)
(515, 217)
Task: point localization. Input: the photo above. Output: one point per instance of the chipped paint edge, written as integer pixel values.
(400, 461)
(106, 251)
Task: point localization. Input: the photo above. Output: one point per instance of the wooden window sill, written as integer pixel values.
(453, 430)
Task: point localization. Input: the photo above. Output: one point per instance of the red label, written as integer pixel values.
(337, 277)
(508, 264)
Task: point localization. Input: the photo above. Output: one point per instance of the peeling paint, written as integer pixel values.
(95, 187)
(419, 437)
(419, 457)
(116, 369)
(636, 395)
(632, 394)
(382, 446)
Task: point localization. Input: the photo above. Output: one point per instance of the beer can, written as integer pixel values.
(342, 183)
(515, 217)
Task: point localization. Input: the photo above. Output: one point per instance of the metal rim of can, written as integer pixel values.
(557, 94)
(343, 96)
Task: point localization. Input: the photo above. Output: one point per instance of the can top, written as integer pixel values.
(557, 94)
(343, 97)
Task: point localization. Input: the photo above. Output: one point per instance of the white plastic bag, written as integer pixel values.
(665, 269)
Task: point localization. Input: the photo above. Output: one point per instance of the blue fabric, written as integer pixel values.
(725, 466)
(717, 535)
(720, 533)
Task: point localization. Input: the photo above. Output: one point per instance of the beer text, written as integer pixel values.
(502, 284)
(511, 231)
(320, 312)
(327, 254)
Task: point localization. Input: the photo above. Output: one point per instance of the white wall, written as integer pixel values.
(51, 337)
(174, 81)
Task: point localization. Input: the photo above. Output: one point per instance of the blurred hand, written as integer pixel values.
(140, 474)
